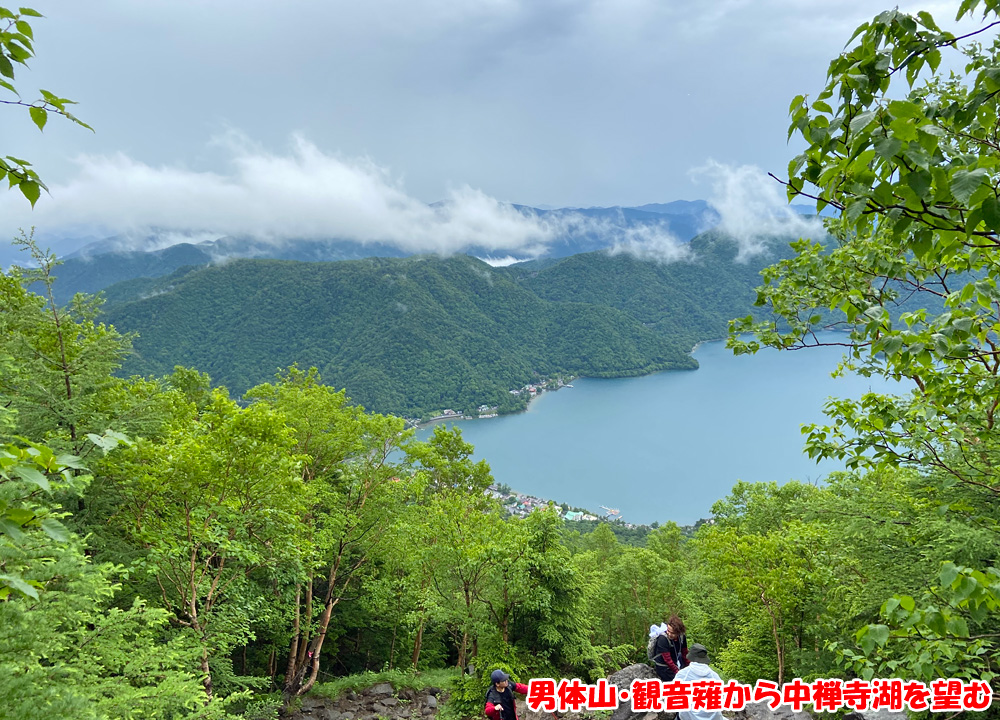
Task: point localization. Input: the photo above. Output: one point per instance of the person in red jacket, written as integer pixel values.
(500, 703)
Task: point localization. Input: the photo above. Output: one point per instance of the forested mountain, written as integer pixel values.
(685, 301)
(414, 336)
(88, 274)
(115, 259)
(410, 336)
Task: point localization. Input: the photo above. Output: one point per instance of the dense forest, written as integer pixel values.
(168, 549)
(415, 336)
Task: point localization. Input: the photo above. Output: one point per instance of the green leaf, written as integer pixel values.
(12, 581)
(920, 182)
(55, 530)
(38, 116)
(29, 12)
(30, 190)
(888, 147)
(949, 571)
(12, 530)
(862, 121)
(6, 69)
(891, 345)
(965, 182)
(70, 461)
(879, 633)
(32, 475)
(991, 213)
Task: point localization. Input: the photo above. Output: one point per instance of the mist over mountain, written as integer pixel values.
(99, 264)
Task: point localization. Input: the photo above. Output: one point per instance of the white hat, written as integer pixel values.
(654, 630)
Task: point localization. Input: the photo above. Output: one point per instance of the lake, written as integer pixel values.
(666, 446)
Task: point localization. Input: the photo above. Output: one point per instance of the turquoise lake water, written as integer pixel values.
(666, 446)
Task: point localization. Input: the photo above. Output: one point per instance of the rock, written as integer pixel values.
(380, 689)
(390, 701)
(623, 680)
(882, 715)
(760, 711)
(431, 702)
(435, 691)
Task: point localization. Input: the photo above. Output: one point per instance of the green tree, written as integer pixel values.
(460, 543)
(354, 495)
(216, 505)
(63, 652)
(907, 155)
(62, 360)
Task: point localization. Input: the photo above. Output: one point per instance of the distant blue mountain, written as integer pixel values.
(102, 263)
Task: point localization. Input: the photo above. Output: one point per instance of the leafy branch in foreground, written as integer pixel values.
(16, 49)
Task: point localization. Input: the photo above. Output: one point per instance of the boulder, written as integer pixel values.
(761, 711)
(623, 680)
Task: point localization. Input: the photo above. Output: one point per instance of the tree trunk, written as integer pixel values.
(206, 681)
(418, 641)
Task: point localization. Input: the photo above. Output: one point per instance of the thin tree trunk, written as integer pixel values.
(206, 681)
(418, 641)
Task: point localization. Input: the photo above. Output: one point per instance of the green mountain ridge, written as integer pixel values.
(408, 336)
(414, 336)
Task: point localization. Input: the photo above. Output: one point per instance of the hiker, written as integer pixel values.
(698, 670)
(670, 651)
(500, 703)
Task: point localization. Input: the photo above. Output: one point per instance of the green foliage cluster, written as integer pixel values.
(907, 154)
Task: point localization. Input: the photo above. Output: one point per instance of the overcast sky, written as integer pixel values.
(235, 115)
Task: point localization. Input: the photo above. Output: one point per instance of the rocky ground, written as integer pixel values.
(378, 701)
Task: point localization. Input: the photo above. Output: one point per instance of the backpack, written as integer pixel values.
(650, 646)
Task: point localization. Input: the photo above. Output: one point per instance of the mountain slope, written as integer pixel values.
(408, 336)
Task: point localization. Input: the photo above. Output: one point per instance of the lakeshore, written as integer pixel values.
(666, 446)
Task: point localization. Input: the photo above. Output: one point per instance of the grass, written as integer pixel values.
(399, 679)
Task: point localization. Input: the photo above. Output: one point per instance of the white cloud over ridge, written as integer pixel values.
(305, 194)
(753, 207)
(650, 242)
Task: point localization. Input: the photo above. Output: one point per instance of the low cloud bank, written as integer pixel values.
(306, 194)
(753, 207)
(651, 242)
